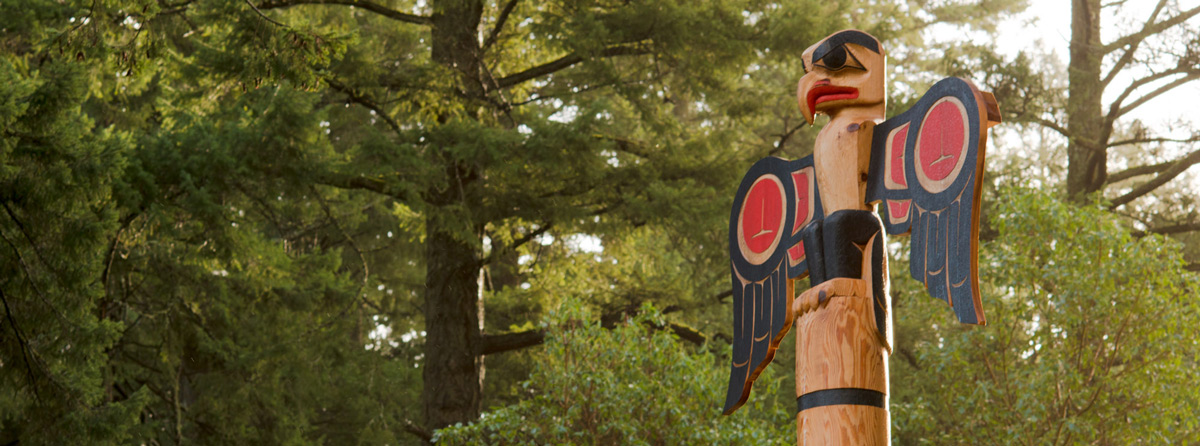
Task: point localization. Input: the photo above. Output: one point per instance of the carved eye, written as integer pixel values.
(838, 58)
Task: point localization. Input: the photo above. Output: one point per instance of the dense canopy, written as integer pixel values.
(353, 221)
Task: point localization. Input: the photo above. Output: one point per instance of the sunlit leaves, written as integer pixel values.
(1091, 337)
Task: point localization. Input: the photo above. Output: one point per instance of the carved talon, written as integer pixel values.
(816, 297)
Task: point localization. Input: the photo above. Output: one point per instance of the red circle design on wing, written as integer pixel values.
(939, 154)
(761, 216)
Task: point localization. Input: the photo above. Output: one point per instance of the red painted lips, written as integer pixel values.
(826, 93)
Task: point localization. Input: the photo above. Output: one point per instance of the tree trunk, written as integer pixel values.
(1086, 151)
(453, 371)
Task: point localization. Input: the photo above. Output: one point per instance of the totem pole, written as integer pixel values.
(816, 216)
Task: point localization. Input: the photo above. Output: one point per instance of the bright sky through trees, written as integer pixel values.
(1048, 24)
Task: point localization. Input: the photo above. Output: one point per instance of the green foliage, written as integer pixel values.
(1092, 338)
(216, 230)
(56, 181)
(634, 384)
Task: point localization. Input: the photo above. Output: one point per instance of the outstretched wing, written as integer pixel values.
(776, 199)
(927, 169)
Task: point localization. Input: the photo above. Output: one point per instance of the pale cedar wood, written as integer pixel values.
(837, 343)
(838, 346)
(843, 425)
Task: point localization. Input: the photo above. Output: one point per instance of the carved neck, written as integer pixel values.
(856, 115)
(842, 158)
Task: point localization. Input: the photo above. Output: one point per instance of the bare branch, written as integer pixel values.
(491, 38)
(1192, 75)
(1170, 173)
(688, 334)
(1133, 47)
(492, 344)
(1177, 229)
(783, 138)
(1126, 142)
(1116, 104)
(1137, 172)
(563, 63)
(1150, 30)
(373, 7)
(419, 431)
(1051, 125)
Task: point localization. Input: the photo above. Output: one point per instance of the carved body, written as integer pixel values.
(842, 156)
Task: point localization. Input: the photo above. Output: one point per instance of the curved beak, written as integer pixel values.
(806, 109)
(818, 92)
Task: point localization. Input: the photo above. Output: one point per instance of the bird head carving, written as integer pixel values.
(843, 71)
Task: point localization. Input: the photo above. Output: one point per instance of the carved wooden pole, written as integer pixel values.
(841, 355)
(816, 217)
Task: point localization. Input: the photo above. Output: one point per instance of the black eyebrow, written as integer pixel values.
(849, 36)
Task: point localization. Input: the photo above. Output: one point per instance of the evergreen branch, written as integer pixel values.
(1128, 56)
(365, 101)
(627, 146)
(564, 63)
(516, 243)
(362, 259)
(1170, 173)
(589, 87)
(1150, 30)
(24, 345)
(110, 256)
(25, 233)
(264, 16)
(28, 271)
(369, 6)
(372, 184)
(491, 38)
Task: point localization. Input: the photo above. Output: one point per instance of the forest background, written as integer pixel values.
(470, 221)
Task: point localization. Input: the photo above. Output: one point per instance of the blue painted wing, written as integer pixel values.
(775, 201)
(927, 172)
